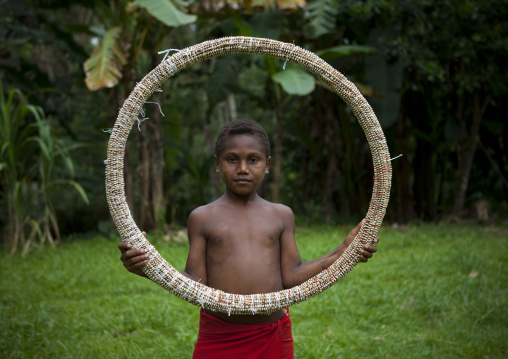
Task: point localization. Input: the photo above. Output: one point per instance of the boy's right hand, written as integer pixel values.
(132, 259)
(367, 251)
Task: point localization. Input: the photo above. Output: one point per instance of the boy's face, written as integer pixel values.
(242, 163)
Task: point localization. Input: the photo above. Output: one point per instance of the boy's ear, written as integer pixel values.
(216, 161)
(268, 162)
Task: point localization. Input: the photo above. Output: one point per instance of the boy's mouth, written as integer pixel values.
(242, 180)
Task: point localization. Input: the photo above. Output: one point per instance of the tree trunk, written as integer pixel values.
(147, 221)
(402, 170)
(348, 199)
(14, 228)
(466, 155)
(209, 118)
(158, 200)
(423, 186)
(424, 176)
(332, 142)
(231, 108)
(277, 155)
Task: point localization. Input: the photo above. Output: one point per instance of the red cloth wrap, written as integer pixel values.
(223, 340)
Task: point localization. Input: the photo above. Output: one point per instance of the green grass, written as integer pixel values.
(430, 292)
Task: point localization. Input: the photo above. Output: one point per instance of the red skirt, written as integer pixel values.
(223, 340)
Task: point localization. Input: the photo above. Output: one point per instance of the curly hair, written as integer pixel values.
(241, 127)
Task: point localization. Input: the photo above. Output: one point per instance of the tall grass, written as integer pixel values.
(431, 291)
(32, 162)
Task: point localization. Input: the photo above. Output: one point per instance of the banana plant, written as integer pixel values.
(131, 40)
(104, 66)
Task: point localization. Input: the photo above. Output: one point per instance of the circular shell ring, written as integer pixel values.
(158, 269)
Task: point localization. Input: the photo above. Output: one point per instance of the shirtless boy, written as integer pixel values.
(243, 244)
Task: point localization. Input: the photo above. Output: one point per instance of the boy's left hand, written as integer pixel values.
(368, 250)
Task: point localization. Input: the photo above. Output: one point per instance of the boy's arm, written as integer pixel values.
(195, 269)
(294, 271)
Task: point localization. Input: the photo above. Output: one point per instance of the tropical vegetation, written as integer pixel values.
(433, 71)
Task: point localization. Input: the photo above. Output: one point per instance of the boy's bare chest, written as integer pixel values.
(244, 228)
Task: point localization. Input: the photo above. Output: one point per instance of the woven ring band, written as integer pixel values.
(158, 269)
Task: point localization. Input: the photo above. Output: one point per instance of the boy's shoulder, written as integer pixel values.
(279, 208)
(219, 205)
(207, 209)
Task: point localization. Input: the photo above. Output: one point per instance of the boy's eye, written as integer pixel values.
(253, 160)
(231, 159)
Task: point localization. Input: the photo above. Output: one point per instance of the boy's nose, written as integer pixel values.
(242, 167)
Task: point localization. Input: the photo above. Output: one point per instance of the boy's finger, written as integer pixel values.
(133, 255)
(134, 261)
(376, 240)
(370, 248)
(123, 246)
(366, 253)
(137, 265)
(143, 233)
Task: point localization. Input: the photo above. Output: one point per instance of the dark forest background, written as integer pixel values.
(434, 71)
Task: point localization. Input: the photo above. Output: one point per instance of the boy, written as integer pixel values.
(243, 244)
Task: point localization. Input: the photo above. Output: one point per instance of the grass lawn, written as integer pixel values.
(430, 292)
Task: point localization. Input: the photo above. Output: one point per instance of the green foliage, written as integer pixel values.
(31, 159)
(223, 79)
(267, 24)
(462, 52)
(345, 50)
(321, 15)
(15, 150)
(430, 291)
(103, 68)
(430, 61)
(56, 169)
(386, 78)
(450, 81)
(295, 81)
(166, 12)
